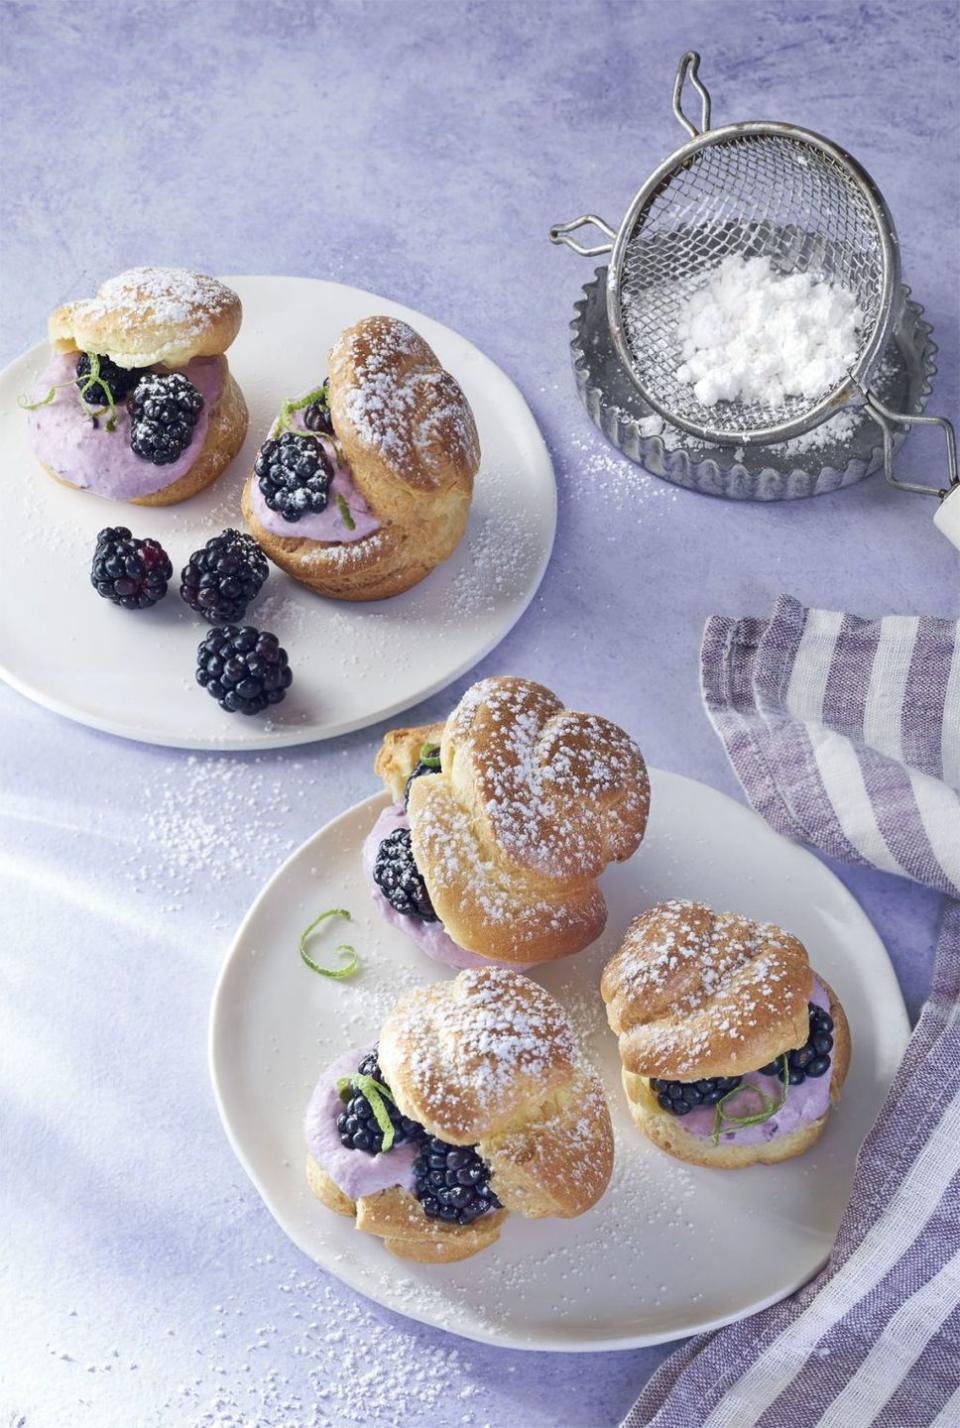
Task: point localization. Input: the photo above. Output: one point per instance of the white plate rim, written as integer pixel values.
(544, 1343)
(290, 736)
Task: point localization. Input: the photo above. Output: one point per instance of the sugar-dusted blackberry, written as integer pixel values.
(220, 580)
(813, 1057)
(294, 474)
(316, 417)
(244, 669)
(452, 1182)
(357, 1124)
(120, 380)
(130, 572)
(396, 874)
(428, 763)
(164, 409)
(682, 1097)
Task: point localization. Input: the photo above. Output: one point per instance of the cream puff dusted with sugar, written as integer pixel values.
(364, 484)
(138, 403)
(474, 1103)
(503, 819)
(733, 1049)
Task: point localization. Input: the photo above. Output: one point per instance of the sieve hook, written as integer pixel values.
(560, 232)
(690, 64)
(883, 416)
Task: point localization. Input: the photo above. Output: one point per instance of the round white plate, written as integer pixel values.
(670, 1249)
(132, 672)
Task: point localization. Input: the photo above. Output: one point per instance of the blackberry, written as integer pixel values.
(120, 380)
(422, 768)
(813, 1057)
(164, 408)
(130, 572)
(682, 1097)
(357, 1125)
(294, 474)
(452, 1182)
(220, 580)
(316, 416)
(244, 669)
(396, 874)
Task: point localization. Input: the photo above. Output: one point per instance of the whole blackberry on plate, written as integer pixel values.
(682, 1097)
(357, 1125)
(294, 474)
(164, 410)
(452, 1182)
(813, 1057)
(396, 874)
(130, 572)
(220, 580)
(422, 767)
(244, 669)
(120, 380)
(316, 417)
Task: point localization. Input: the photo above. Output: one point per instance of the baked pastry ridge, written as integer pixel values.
(493, 1109)
(496, 855)
(398, 443)
(733, 1049)
(137, 402)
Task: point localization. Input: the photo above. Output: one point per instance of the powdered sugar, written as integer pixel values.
(756, 335)
(164, 296)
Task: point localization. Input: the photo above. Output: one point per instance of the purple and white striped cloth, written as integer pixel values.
(845, 734)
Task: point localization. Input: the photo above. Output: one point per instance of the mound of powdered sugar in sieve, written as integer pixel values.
(755, 335)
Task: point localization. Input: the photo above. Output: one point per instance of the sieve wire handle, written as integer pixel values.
(883, 416)
(690, 65)
(560, 233)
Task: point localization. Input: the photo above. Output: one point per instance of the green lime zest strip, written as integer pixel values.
(344, 949)
(769, 1106)
(296, 404)
(34, 406)
(93, 377)
(376, 1093)
(345, 512)
(430, 755)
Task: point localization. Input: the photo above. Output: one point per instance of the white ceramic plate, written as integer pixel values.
(132, 672)
(670, 1249)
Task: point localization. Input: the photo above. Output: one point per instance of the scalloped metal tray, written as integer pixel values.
(762, 473)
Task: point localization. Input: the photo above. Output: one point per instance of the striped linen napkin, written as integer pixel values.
(845, 734)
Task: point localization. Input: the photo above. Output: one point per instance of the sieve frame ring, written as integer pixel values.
(854, 386)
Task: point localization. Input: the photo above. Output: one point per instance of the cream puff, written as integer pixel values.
(137, 402)
(364, 485)
(734, 1050)
(474, 1103)
(502, 820)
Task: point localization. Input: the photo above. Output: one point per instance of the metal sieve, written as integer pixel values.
(757, 189)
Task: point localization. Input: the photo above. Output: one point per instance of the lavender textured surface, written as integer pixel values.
(422, 151)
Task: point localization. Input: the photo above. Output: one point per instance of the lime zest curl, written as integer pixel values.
(376, 1093)
(345, 512)
(768, 1106)
(343, 950)
(83, 386)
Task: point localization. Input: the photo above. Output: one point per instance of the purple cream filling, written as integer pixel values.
(804, 1103)
(329, 525)
(353, 1171)
(430, 937)
(94, 459)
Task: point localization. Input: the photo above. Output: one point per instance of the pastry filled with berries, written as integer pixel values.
(502, 820)
(364, 484)
(733, 1049)
(474, 1103)
(137, 402)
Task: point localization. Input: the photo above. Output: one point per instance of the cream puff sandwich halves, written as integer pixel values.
(473, 1104)
(137, 403)
(503, 819)
(733, 1049)
(364, 484)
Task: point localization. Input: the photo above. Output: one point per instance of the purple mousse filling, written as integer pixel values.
(94, 459)
(329, 525)
(804, 1104)
(353, 1171)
